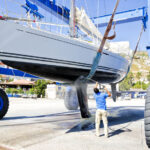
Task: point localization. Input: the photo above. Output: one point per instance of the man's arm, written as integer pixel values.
(96, 85)
(109, 94)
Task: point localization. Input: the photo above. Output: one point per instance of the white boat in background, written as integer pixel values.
(56, 56)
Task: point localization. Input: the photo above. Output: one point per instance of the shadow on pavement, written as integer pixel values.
(117, 116)
(70, 113)
(118, 131)
(61, 119)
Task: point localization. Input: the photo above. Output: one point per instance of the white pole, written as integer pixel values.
(72, 19)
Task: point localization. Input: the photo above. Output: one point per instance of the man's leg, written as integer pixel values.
(97, 122)
(105, 122)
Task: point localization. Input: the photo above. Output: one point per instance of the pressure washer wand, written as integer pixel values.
(100, 50)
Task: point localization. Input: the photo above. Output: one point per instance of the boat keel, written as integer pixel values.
(81, 87)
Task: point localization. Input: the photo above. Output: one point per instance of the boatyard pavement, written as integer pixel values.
(42, 124)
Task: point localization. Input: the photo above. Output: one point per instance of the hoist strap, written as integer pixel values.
(100, 50)
(114, 35)
(111, 37)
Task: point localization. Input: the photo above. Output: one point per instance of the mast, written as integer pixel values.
(72, 19)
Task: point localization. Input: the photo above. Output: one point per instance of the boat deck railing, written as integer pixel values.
(13, 8)
(49, 24)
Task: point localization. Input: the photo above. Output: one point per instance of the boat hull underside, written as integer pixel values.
(62, 73)
(56, 57)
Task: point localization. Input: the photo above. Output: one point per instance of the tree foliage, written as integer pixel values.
(148, 76)
(14, 91)
(127, 83)
(139, 75)
(140, 85)
(40, 87)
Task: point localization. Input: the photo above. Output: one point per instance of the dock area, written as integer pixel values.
(36, 124)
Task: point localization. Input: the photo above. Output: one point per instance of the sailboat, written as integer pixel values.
(57, 57)
(32, 49)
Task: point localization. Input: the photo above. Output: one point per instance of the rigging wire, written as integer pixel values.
(86, 7)
(57, 18)
(104, 7)
(16, 2)
(98, 8)
(87, 12)
(137, 45)
(20, 4)
(62, 17)
(136, 48)
(79, 32)
(50, 19)
(6, 7)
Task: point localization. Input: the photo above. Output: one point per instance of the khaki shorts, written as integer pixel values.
(101, 115)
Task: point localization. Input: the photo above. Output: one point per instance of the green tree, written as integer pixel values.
(139, 75)
(8, 90)
(20, 91)
(10, 79)
(148, 76)
(140, 85)
(40, 87)
(1, 79)
(127, 83)
(14, 91)
(32, 90)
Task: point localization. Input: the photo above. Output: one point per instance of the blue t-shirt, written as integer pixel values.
(101, 100)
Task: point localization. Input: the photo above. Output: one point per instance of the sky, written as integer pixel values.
(125, 32)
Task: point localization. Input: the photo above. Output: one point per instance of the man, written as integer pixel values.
(101, 113)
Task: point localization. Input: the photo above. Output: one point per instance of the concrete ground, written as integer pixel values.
(46, 124)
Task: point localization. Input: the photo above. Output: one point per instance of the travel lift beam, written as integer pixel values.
(101, 21)
(123, 17)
